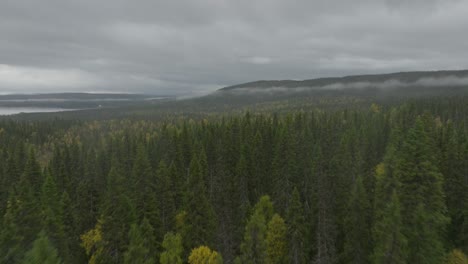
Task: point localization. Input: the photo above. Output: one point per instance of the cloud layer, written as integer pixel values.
(190, 47)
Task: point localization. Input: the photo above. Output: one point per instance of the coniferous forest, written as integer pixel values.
(379, 183)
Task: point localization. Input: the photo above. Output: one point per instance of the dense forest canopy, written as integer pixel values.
(312, 180)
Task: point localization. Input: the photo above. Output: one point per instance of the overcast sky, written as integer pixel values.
(197, 46)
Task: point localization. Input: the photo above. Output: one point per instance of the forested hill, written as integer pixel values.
(266, 96)
(417, 78)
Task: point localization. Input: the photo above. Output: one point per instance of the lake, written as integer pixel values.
(17, 110)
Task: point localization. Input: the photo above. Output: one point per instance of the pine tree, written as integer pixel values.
(173, 249)
(42, 252)
(11, 239)
(325, 231)
(254, 246)
(21, 222)
(389, 242)
(165, 197)
(146, 202)
(276, 241)
(117, 214)
(52, 215)
(200, 219)
(422, 197)
(297, 230)
(32, 172)
(357, 224)
(390, 245)
(282, 173)
(138, 251)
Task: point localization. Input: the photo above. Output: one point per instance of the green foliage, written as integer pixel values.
(139, 248)
(297, 230)
(390, 245)
(117, 215)
(276, 241)
(200, 220)
(42, 252)
(357, 223)
(173, 249)
(357, 180)
(165, 197)
(422, 196)
(254, 247)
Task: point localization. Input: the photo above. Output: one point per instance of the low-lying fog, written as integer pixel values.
(18, 110)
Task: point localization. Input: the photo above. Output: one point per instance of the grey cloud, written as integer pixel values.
(190, 47)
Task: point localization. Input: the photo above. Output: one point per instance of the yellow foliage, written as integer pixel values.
(375, 108)
(91, 241)
(380, 170)
(180, 219)
(456, 257)
(204, 255)
(276, 240)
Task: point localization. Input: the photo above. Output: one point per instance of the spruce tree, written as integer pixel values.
(167, 210)
(11, 238)
(138, 251)
(147, 204)
(42, 252)
(200, 219)
(297, 229)
(357, 225)
(117, 214)
(254, 246)
(276, 241)
(424, 212)
(52, 215)
(390, 245)
(173, 249)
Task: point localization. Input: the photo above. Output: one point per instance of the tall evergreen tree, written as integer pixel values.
(424, 212)
(147, 204)
(11, 238)
(117, 215)
(166, 197)
(297, 230)
(138, 250)
(325, 231)
(276, 241)
(42, 252)
(254, 246)
(52, 215)
(200, 219)
(357, 224)
(173, 249)
(390, 245)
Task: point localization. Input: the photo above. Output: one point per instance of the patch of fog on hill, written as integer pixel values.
(449, 81)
